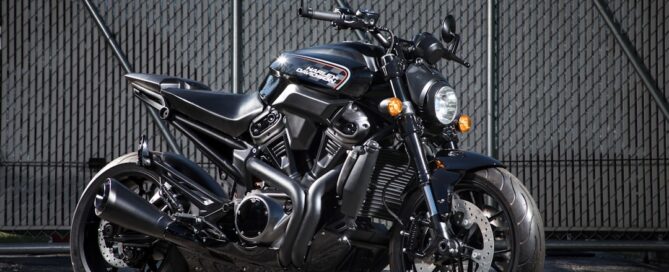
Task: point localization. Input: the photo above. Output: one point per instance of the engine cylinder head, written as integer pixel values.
(352, 126)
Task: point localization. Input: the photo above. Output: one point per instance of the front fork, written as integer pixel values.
(410, 130)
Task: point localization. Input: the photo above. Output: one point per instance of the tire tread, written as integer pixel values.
(528, 225)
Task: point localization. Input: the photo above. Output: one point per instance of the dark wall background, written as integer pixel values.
(574, 121)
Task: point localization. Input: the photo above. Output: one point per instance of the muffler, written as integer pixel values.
(120, 206)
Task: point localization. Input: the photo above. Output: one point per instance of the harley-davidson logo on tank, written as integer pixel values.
(313, 70)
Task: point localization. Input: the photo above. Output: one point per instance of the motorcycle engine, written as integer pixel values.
(260, 219)
(268, 131)
(350, 127)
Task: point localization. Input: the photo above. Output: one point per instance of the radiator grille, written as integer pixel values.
(392, 173)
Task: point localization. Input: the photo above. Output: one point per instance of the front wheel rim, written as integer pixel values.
(499, 218)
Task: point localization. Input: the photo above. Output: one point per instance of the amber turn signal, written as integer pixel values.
(464, 123)
(438, 164)
(392, 106)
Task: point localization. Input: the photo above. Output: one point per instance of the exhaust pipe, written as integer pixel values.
(293, 189)
(120, 206)
(312, 215)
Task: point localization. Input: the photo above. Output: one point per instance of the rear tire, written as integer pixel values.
(527, 249)
(85, 253)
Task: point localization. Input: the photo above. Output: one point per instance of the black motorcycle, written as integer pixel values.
(346, 159)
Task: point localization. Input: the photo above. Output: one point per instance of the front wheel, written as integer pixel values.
(488, 202)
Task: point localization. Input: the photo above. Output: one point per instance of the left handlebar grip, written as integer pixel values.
(320, 15)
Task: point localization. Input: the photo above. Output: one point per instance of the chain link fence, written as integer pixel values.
(573, 120)
(576, 122)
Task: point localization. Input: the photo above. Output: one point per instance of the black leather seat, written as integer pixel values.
(229, 113)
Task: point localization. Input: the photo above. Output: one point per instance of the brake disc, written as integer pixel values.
(472, 215)
(108, 251)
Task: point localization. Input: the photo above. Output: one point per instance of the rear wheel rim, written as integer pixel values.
(140, 183)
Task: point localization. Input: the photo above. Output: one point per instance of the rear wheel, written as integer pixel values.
(489, 202)
(97, 245)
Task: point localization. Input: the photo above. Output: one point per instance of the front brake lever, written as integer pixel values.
(453, 57)
(460, 61)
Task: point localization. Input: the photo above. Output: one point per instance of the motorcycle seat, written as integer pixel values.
(229, 113)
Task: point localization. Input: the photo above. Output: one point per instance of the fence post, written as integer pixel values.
(633, 56)
(491, 77)
(236, 46)
(171, 143)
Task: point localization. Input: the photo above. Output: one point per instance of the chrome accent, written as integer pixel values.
(425, 90)
(407, 108)
(474, 216)
(107, 252)
(274, 225)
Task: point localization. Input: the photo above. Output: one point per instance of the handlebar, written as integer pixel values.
(366, 21)
(344, 18)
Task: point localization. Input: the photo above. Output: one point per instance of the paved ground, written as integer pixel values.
(583, 262)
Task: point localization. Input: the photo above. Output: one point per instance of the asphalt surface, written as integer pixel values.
(554, 263)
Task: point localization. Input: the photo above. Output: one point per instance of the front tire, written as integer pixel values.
(86, 253)
(510, 210)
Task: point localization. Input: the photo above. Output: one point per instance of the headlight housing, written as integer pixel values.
(442, 103)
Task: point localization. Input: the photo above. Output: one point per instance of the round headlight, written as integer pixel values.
(445, 104)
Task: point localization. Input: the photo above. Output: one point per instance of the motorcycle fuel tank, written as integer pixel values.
(337, 69)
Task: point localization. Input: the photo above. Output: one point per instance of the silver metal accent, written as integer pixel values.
(474, 216)
(424, 91)
(432, 206)
(277, 219)
(108, 252)
(407, 107)
(237, 46)
(344, 239)
(490, 89)
(143, 152)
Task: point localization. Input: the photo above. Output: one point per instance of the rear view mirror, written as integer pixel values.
(448, 29)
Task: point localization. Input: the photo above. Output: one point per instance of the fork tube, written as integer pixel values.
(410, 130)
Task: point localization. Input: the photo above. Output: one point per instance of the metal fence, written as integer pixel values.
(576, 122)
(573, 120)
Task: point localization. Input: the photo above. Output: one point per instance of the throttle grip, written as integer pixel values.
(319, 15)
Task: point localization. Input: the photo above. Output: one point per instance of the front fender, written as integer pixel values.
(458, 160)
(456, 164)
